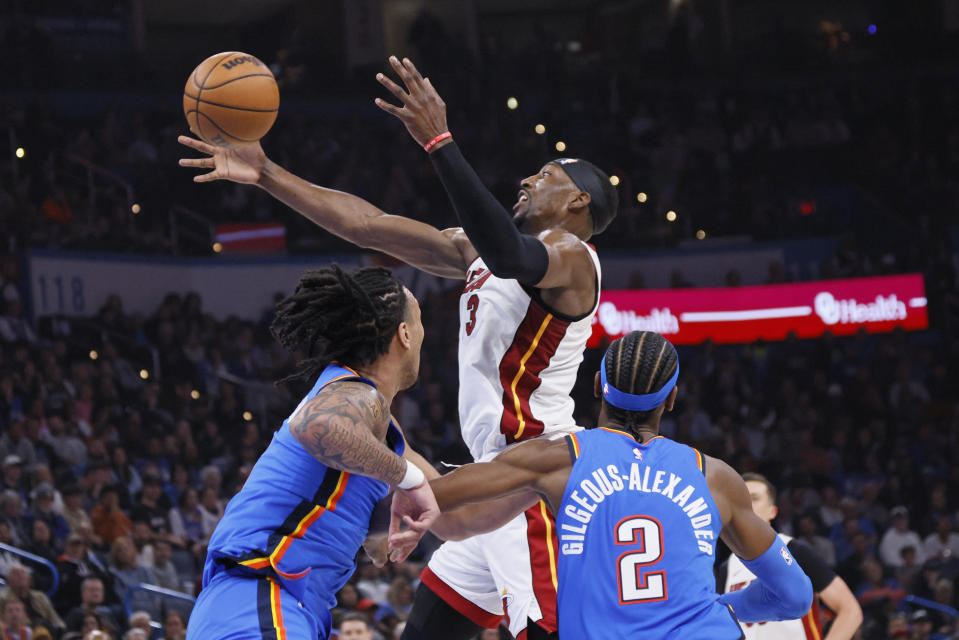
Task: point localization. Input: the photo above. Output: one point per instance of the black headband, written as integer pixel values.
(602, 194)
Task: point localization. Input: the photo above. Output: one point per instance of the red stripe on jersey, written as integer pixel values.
(541, 535)
(477, 615)
(534, 344)
(811, 623)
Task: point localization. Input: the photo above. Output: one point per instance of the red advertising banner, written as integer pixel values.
(746, 314)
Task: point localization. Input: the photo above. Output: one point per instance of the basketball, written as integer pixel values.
(231, 99)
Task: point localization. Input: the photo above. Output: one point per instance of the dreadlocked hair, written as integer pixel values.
(640, 362)
(343, 316)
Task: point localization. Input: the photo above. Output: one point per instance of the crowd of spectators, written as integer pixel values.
(119, 480)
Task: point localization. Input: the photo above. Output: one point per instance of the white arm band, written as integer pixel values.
(414, 477)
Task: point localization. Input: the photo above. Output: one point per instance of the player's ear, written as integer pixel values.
(597, 386)
(579, 202)
(403, 334)
(671, 398)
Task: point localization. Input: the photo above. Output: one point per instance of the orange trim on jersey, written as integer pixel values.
(576, 448)
(273, 560)
(620, 432)
(699, 458)
(277, 610)
(521, 371)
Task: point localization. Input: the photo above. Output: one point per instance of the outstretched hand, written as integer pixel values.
(417, 509)
(242, 164)
(423, 111)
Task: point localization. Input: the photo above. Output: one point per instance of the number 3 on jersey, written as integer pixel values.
(472, 305)
(636, 585)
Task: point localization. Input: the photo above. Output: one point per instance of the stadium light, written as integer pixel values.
(195, 394)
(614, 180)
(217, 247)
(512, 103)
(144, 374)
(701, 235)
(671, 216)
(135, 208)
(20, 152)
(561, 146)
(93, 354)
(540, 129)
(247, 416)
(641, 197)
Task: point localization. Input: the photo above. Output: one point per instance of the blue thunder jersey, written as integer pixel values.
(637, 532)
(296, 520)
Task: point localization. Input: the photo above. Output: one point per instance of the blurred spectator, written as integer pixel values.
(141, 620)
(944, 543)
(14, 623)
(43, 511)
(898, 537)
(39, 609)
(164, 571)
(91, 603)
(73, 511)
(74, 566)
(174, 626)
(186, 519)
(109, 521)
(354, 626)
(42, 542)
(14, 443)
(152, 506)
(127, 573)
(11, 512)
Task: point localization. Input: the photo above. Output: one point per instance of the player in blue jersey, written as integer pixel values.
(637, 515)
(288, 539)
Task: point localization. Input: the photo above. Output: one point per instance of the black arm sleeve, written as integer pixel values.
(818, 571)
(507, 252)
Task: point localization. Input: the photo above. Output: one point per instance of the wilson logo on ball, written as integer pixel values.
(229, 64)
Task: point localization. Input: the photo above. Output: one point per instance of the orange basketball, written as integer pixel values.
(231, 99)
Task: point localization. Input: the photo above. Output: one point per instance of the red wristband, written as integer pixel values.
(440, 138)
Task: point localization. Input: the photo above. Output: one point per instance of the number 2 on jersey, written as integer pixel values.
(636, 585)
(472, 305)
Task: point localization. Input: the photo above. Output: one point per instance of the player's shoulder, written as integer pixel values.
(348, 398)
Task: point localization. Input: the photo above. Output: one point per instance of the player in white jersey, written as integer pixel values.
(828, 587)
(532, 287)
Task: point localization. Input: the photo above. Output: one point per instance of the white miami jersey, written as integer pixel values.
(738, 577)
(517, 362)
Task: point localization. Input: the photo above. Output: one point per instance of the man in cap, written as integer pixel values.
(531, 291)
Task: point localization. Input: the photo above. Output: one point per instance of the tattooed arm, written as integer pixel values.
(344, 427)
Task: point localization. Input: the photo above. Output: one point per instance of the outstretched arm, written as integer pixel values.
(521, 475)
(548, 261)
(445, 253)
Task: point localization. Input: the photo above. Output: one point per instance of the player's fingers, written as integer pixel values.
(200, 163)
(411, 69)
(199, 145)
(207, 177)
(403, 73)
(391, 109)
(392, 87)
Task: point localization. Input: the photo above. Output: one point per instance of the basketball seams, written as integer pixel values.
(230, 106)
(226, 82)
(200, 92)
(222, 130)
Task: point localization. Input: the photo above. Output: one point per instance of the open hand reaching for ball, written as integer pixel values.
(423, 111)
(242, 163)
